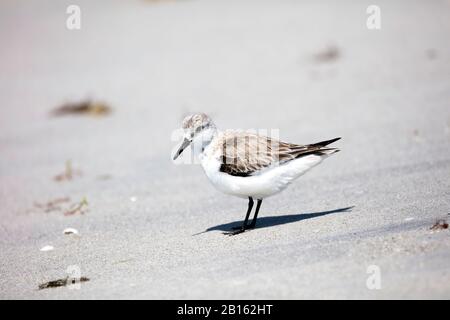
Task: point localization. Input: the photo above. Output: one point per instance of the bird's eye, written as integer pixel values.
(200, 128)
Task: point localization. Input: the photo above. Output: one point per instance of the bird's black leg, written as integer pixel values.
(253, 224)
(244, 225)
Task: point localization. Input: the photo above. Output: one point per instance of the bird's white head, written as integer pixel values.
(199, 130)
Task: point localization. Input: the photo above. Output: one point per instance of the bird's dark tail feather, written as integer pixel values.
(324, 143)
(317, 149)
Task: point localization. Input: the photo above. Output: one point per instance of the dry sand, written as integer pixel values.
(249, 64)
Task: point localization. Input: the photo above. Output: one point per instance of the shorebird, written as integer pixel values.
(248, 165)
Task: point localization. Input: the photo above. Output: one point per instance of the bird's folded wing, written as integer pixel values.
(245, 154)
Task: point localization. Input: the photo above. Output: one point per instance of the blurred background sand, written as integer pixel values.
(310, 69)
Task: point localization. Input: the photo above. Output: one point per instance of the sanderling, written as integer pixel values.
(248, 165)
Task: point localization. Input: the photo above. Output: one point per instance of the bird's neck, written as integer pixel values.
(204, 141)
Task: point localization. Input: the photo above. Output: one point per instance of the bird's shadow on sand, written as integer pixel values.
(265, 222)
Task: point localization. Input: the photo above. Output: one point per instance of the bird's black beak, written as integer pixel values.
(184, 145)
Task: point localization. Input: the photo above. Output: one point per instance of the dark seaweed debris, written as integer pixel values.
(439, 225)
(68, 174)
(61, 282)
(329, 54)
(52, 205)
(63, 205)
(80, 208)
(87, 107)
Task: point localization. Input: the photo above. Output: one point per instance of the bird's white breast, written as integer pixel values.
(268, 182)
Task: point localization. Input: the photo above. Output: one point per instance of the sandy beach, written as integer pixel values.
(149, 228)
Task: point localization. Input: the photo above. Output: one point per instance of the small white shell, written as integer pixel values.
(133, 199)
(47, 248)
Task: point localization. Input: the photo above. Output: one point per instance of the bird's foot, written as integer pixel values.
(235, 232)
(248, 226)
